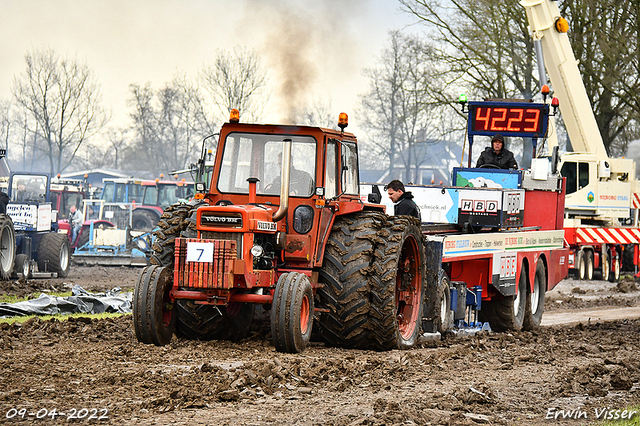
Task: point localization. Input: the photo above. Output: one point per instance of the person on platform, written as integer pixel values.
(497, 155)
(402, 200)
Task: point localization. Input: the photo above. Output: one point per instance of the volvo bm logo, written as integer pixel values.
(221, 220)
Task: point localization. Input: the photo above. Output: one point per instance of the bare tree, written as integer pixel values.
(169, 125)
(397, 108)
(237, 80)
(488, 49)
(62, 99)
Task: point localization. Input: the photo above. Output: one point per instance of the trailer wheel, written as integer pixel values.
(54, 254)
(292, 313)
(156, 309)
(507, 312)
(344, 273)
(589, 265)
(535, 300)
(614, 276)
(397, 289)
(606, 265)
(445, 320)
(7, 246)
(206, 322)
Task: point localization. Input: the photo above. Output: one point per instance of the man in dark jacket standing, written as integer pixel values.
(403, 201)
(497, 155)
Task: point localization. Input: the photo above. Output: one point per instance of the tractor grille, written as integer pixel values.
(232, 236)
(197, 274)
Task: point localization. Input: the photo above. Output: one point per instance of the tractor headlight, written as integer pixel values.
(257, 251)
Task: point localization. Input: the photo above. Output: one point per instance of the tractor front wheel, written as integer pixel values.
(292, 313)
(154, 311)
(54, 254)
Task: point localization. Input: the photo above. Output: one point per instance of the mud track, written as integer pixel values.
(506, 379)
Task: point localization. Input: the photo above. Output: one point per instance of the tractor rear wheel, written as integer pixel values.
(143, 220)
(373, 274)
(507, 312)
(171, 224)
(54, 254)
(7, 246)
(292, 313)
(397, 291)
(535, 299)
(345, 292)
(155, 316)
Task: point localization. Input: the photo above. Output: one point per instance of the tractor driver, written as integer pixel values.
(301, 182)
(21, 193)
(497, 155)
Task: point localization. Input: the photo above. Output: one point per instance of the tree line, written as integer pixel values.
(480, 47)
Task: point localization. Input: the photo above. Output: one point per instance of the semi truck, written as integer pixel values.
(283, 224)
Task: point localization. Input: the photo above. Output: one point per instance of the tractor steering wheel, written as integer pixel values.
(489, 166)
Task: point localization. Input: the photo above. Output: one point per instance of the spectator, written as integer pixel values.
(402, 200)
(75, 221)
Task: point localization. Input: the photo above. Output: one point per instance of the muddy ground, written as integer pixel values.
(506, 379)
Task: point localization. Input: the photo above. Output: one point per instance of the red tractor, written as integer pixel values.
(282, 225)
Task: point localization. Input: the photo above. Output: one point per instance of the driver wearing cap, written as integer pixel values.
(497, 155)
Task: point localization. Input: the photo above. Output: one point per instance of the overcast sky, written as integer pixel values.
(140, 41)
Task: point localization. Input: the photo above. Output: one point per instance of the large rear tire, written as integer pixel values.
(345, 293)
(171, 224)
(372, 273)
(54, 254)
(292, 313)
(507, 312)
(535, 299)
(397, 286)
(7, 247)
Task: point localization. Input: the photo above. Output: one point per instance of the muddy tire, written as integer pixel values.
(140, 324)
(535, 299)
(292, 313)
(372, 275)
(627, 258)
(397, 288)
(143, 220)
(345, 292)
(54, 254)
(205, 322)
(155, 316)
(171, 224)
(507, 312)
(606, 265)
(7, 247)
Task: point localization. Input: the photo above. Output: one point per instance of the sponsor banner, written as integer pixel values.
(30, 217)
(473, 244)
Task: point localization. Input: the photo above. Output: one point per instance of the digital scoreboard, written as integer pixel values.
(523, 119)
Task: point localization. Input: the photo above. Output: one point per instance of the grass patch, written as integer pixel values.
(12, 298)
(60, 317)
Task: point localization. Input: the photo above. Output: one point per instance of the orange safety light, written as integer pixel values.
(562, 25)
(161, 175)
(157, 180)
(234, 116)
(199, 196)
(343, 120)
(58, 175)
(175, 176)
(545, 90)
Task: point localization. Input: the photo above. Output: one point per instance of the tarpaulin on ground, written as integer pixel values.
(80, 301)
